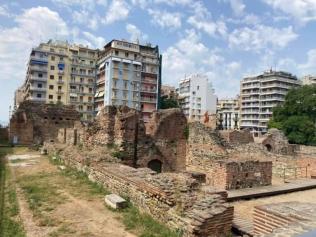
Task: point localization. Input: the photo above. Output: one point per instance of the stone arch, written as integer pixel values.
(155, 165)
(268, 146)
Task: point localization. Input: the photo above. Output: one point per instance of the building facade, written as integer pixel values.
(197, 97)
(169, 92)
(128, 74)
(59, 72)
(228, 113)
(309, 80)
(259, 95)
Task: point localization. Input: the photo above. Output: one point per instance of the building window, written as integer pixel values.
(81, 80)
(52, 68)
(116, 52)
(61, 58)
(52, 58)
(59, 88)
(51, 87)
(59, 97)
(90, 99)
(126, 54)
(90, 90)
(39, 85)
(60, 78)
(50, 97)
(51, 77)
(135, 56)
(39, 95)
(198, 87)
(40, 75)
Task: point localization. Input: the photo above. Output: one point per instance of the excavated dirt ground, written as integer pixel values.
(68, 208)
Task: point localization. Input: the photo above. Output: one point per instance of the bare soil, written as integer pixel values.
(70, 212)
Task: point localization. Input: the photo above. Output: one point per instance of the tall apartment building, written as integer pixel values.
(196, 97)
(169, 92)
(228, 113)
(128, 74)
(309, 80)
(259, 94)
(59, 72)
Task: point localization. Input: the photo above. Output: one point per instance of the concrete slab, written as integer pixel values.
(293, 186)
(115, 201)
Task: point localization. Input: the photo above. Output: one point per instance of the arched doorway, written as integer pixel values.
(155, 165)
(269, 147)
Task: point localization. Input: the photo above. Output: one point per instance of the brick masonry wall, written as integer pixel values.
(34, 123)
(271, 217)
(4, 134)
(175, 199)
(236, 137)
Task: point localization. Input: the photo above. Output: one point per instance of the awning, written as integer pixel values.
(38, 62)
(61, 66)
(137, 63)
(101, 94)
(126, 61)
(96, 94)
(101, 65)
(116, 59)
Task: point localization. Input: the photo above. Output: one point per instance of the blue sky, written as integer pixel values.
(225, 39)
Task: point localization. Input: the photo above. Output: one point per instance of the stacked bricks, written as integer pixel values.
(270, 217)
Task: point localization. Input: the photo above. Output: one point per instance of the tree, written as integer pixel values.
(167, 103)
(297, 116)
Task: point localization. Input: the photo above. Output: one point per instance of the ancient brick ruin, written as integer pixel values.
(34, 123)
(225, 160)
(279, 217)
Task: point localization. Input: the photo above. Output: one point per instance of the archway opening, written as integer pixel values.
(269, 147)
(155, 165)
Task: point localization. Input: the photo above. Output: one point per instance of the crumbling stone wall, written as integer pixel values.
(236, 137)
(4, 134)
(275, 141)
(121, 128)
(227, 165)
(176, 199)
(37, 122)
(271, 217)
(166, 140)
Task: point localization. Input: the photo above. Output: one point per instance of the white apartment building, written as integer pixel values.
(128, 74)
(260, 94)
(196, 97)
(309, 80)
(228, 112)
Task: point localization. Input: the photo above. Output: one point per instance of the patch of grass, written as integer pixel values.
(42, 196)
(10, 225)
(145, 225)
(64, 229)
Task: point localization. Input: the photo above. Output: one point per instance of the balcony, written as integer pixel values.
(60, 72)
(33, 88)
(38, 68)
(60, 82)
(35, 78)
(149, 81)
(41, 99)
(148, 100)
(148, 90)
(60, 92)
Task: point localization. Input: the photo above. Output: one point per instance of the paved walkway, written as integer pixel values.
(248, 193)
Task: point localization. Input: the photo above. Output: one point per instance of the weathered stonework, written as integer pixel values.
(227, 163)
(176, 199)
(34, 123)
(237, 137)
(275, 141)
(271, 217)
(4, 134)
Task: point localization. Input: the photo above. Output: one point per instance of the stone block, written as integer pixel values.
(115, 201)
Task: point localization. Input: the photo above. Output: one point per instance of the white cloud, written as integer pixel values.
(118, 10)
(189, 55)
(175, 2)
(135, 33)
(164, 19)
(237, 6)
(4, 11)
(94, 41)
(309, 67)
(209, 27)
(84, 17)
(261, 37)
(302, 10)
(33, 26)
